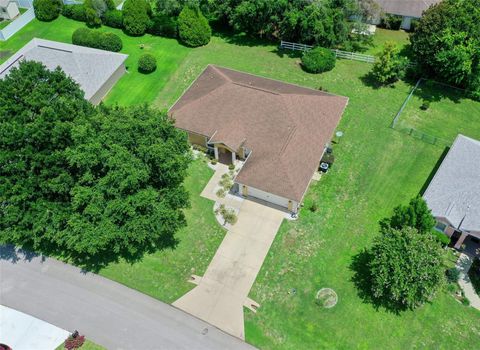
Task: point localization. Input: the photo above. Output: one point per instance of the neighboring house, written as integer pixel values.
(8, 9)
(279, 129)
(453, 195)
(408, 9)
(96, 71)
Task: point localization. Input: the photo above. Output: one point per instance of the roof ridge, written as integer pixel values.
(256, 88)
(215, 68)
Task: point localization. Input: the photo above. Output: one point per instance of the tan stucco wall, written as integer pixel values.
(107, 86)
(196, 139)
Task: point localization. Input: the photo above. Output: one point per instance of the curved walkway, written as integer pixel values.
(108, 313)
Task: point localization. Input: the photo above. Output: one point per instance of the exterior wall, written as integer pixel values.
(197, 139)
(406, 23)
(249, 191)
(12, 10)
(107, 86)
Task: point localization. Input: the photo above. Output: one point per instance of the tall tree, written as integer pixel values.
(446, 43)
(406, 268)
(388, 66)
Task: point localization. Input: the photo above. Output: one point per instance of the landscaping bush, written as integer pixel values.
(474, 274)
(389, 66)
(231, 167)
(163, 26)
(98, 40)
(75, 12)
(47, 10)
(391, 22)
(135, 17)
(318, 60)
(91, 18)
(193, 27)
(313, 207)
(113, 18)
(147, 63)
(441, 237)
(452, 275)
(425, 105)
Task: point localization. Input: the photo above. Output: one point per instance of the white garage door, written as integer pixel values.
(283, 202)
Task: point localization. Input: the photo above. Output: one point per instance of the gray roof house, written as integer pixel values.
(96, 71)
(453, 195)
(408, 9)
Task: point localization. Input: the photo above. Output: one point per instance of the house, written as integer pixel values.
(453, 195)
(408, 9)
(96, 71)
(8, 9)
(279, 130)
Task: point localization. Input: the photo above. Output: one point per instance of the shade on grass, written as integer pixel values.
(133, 87)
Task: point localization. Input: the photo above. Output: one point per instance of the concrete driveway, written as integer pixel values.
(223, 290)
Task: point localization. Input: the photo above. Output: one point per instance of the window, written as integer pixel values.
(440, 226)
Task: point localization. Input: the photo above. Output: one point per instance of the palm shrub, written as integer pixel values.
(47, 10)
(389, 66)
(193, 27)
(136, 17)
(318, 60)
(147, 63)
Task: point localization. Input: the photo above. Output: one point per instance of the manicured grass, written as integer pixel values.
(449, 113)
(376, 169)
(133, 87)
(399, 37)
(164, 274)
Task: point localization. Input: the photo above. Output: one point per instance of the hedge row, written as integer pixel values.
(98, 40)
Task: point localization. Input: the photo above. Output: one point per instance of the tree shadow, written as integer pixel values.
(240, 39)
(287, 53)
(369, 81)
(14, 254)
(434, 171)
(362, 279)
(430, 91)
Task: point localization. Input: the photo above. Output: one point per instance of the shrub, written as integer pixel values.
(113, 18)
(231, 167)
(47, 10)
(389, 66)
(98, 40)
(75, 12)
(441, 237)
(135, 17)
(213, 161)
(193, 27)
(452, 275)
(391, 22)
(318, 60)
(147, 63)
(425, 105)
(313, 207)
(91, 18)
(163, 26)
(74, 342)
(221, 193)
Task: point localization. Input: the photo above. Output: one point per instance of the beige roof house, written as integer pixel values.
(408, 9)
(280, 129)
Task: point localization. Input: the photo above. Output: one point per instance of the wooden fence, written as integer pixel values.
(338, 53)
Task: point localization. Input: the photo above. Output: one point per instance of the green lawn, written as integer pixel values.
(399, 37)
(164, 275)
(133, 87)
(377, 168)
(449, 114)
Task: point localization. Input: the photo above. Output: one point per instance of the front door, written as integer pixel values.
(224, 156)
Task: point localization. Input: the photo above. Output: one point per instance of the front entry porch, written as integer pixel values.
(224, 155)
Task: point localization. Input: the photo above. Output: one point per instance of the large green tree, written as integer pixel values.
(446, 43)
(91, 183)
(136, 16)
(388, 66)
(38, 109)
(405, 268)
(416, 215)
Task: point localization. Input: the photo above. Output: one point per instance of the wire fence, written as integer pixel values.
(420, 135)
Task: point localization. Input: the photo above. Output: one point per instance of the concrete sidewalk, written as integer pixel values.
(463, 265)
(223, 290)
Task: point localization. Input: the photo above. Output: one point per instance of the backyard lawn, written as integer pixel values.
(376, 169)
(399, 37)
(133, 87)
(449, 112)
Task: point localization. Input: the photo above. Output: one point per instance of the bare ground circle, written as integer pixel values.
(326, 298)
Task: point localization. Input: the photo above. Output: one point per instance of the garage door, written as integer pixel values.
(253, 192)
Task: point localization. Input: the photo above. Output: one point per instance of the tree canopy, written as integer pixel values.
(389, 66)
(90, 183)
(416, 215)
(406, 268)
(136, 16)
(193, 27)
(446, 43)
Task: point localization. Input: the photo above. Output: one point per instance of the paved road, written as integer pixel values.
(108, 313)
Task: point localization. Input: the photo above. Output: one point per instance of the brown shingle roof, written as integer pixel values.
(286, 126)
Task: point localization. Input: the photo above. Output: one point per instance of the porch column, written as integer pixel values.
(460, 240)
(215, 151)
(233, 157)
